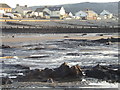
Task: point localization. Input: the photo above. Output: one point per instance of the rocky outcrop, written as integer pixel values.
(103, 72)
(102, 40)
(62, 72)
(6, 80)
(4, 46)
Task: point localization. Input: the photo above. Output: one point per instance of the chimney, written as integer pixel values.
(17, 5)
(25, 5)
(46, 6)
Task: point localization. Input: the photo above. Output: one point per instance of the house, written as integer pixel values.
(23, 10)
(5, 8)
(39, 12)
(106, 14)
(91, 15)
(69, 14)
(81, 15)
(55, 11)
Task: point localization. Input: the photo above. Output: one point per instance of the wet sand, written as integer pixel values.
(16, 39)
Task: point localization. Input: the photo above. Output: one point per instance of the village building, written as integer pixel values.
(91, 15)
(4, 7)
(23, 10)
(69, 14)
(40, 12)
(106, 14)
(81, 15)
(55, 11)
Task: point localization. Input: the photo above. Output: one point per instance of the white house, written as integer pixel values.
(23, 10)
(39, 12)
(55, 11)
(106, 14)
(70, 14)
(81, 14)
(2, 12)
(4, 7)
(91, 15)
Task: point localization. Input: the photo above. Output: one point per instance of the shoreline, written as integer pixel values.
(39, 78)
(39, 38)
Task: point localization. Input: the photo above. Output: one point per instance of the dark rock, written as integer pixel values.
(95, 73)
(76, 71)
(4, 46)
(101, 35)
(50, 80)
(38, 56)
(6, 80)
(84, 34)
(13, 36)
(47, 73)
(101, 40)
(66, 36)
(64, 71)
(73, 54)
(108, 40)
(102, 72)
(30, 76)
(21, 66)
(37, 48)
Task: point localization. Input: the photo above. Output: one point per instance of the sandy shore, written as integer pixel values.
(16, 39)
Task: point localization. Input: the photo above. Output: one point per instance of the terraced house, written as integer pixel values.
(23, 10)
(52, 11)
(91, 15)
(55, 11)
(5, 8)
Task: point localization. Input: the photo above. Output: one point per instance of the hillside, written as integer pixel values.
(97, 7)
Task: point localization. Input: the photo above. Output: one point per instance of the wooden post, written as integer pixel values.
(82, 26)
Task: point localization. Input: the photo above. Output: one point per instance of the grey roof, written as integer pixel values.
(24, 8)
(45, 13)
(3, 5)
(81, 13)
(39, 10)
(54, 8)
(91, 11)
(105, 12)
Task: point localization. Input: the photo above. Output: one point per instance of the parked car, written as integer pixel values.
(10, 15)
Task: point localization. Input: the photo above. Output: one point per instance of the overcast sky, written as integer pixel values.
(12, 3)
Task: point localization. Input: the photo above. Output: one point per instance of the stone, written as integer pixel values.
(102, 72)
(21, 66)
(5, 46)
(50, 80)
(6, 80)
(64, 71)
(76, 71)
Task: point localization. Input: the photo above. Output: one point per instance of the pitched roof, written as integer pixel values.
(81, 13)
(39, 10)
(55, 8)
(46, 13)
(3, 5)
(104, 12)
(24, 8)
(91, 11)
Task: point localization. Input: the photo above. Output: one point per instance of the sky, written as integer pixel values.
(12, 3)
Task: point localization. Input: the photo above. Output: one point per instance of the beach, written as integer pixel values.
(40, 51)
(31, 56)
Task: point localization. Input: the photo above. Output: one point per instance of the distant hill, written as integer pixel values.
(97, 7)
